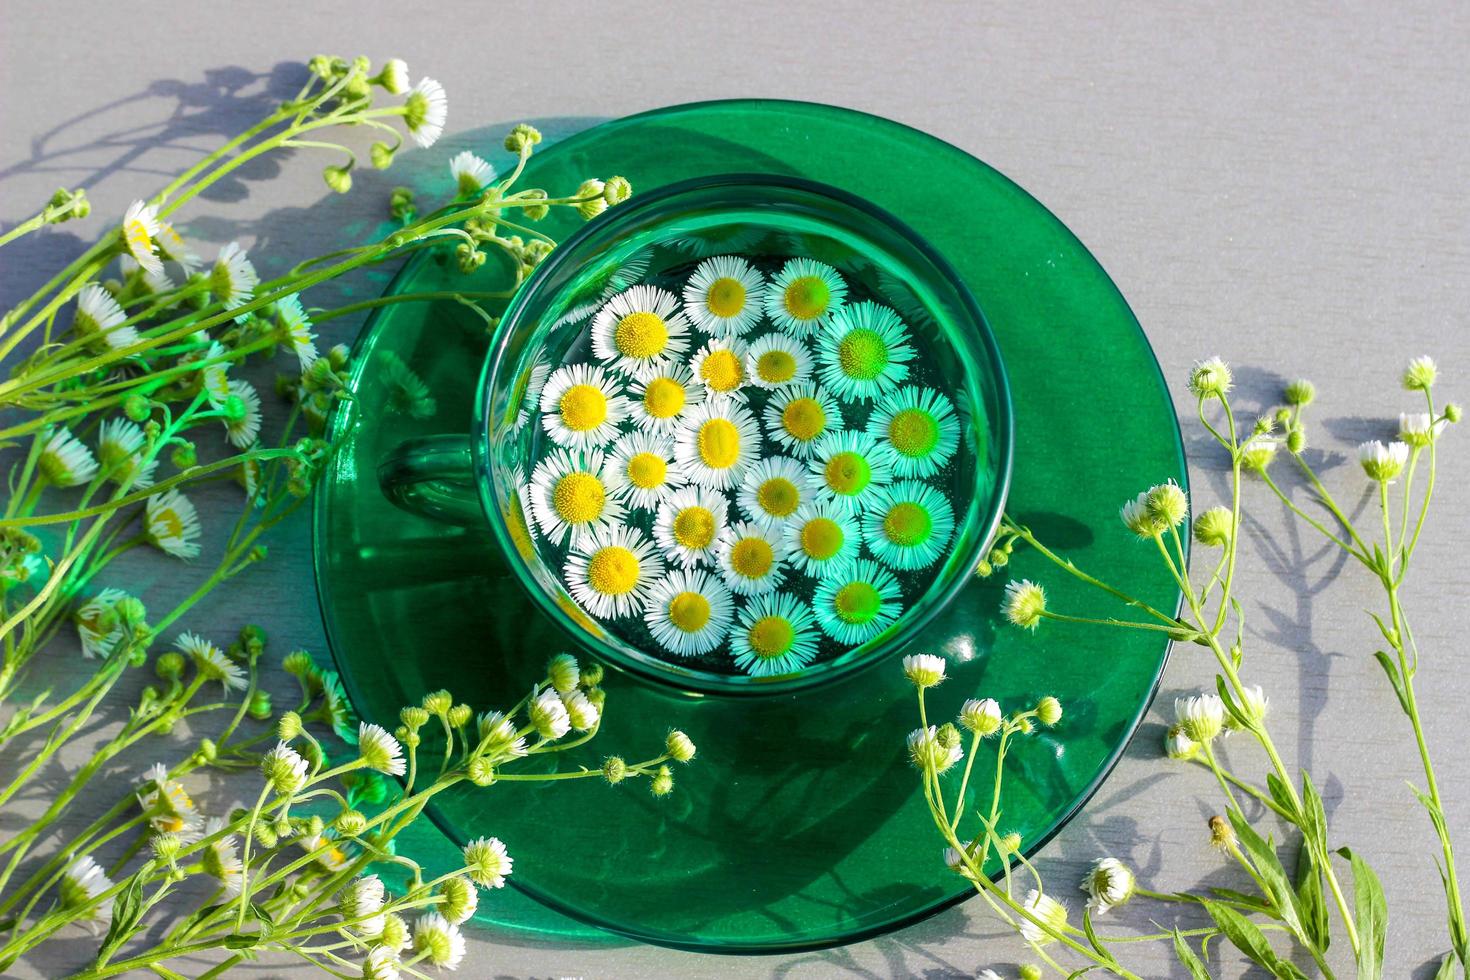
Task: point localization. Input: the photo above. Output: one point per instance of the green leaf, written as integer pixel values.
(261, 914)
(1231, 707)
(127, 908)
(1280, 793)
(1240, 898)
(239, 940)
(1186, 956)
(1392, 670)
(1313, 900)
(1097, 943)
(1247, 938)
(1446, 969)
(1263, 856)
(1371, 912)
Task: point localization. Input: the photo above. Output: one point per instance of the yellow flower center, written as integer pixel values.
(862, 354)
(641, 335)
(694, 528)
(848, 474)
(907, 524)
(647, 471)
(166, 524)
(821, 538)
(778, 497)
(803, 419)
(726, 297)
(771, 636)
(663, 398)
(806, 297)
(613, 570)
(719, 444)
(583, 408)
(578, 498)
(914, 432)
(752, 558)
(137, 235)
(856, 603)
(776, 366)
(722, 371)
(689, 611)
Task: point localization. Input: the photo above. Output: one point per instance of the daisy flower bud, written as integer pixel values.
(1212, 528)
(592, 189)
(1178, 744)
(460, 715)
(1420, 374)
(563, 672)
(926, 749)
(534, 212)
(362, 901)
(169, 666)
(662, 783)
(81, 883)
(1048, 711)
(1210, 378)
(381, 964)
(289, 726)
(614, 770)
(1109, 884)
(378, 750)
(1136, 517)
(1024, 604)
(265, 835)
(1030, 972)
(1222, 835)
(394, 77)
(581, 712)
(522, 137)
(137, 407)
(413, 717)
(395, 932)
(1009, 843)
(616, 190)
(1381, 463)
(679, 746)
(1253, 705)
(1258, 453)
(298, 663)
(1296, 440)
(486, 862)
(1417, 429)
(260, 705)
(400, 203)
(438, 703)
(1167, 504)
(982, 717)
(438, 941)
(949, 739)
(338, 178)
(549, 716)
(350, 823)
(1300, 392)
(592, 675)
(284, 769)
(481, 770)
(1452, 412)
(1202, 716)
(381, 155)
(460, 899)
(1051, 914)
(924, 669)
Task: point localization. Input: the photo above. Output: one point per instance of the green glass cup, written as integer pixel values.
(477, 479)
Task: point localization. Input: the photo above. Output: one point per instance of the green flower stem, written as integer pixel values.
(423, 297)
(1255, 794)
(1065, 618)
(1214, 765)
(1290, 505)
(1067, 565)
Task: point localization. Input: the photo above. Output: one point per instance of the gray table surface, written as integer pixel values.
(1285, 188)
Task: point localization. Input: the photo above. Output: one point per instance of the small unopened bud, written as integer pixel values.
(165, 846)
(438, 702)
(1009, 843)
(260, 705)
(400, 204)
(534, 212)
(563, 672)
(460, 715)
(137, 407)
(983, 717)
(662, 783)
(522, 138)
(594, 204)
(984, 569)
(1212, 528)
(289, 726)
(616, 190)
(1296, 441)
(338, 178)
(184, 456)
(413, 717)
(1030, 972)
(169, 666)
(1300, 392)
(592, 675)
(679, 746)
(614, 769)
(351, 823)
(208, 750)
(1048, 711)
(1420, 374)
(1222, 835)
(481, 771)
(381, 155)
(1453, 412)
(298, 663)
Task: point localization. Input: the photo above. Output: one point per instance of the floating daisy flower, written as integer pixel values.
(688, 612)
(581, 407)
(775, 360)
(857, 604)
(774, 489)
(752, 558)
(850, 466)
(296, 328)
(803, 295)
(64, 461)
(662, 401)
(689, 525)
(610, 572)
(720, 367)
(627, 272)
(821, 537)
(120, 449)
(569, 498)
(172, 524)
(907, 525)
(242, 431)
(424, 112)
(724, 296)
(470, 173)
(641, 470)
(83, 883)
(920, 425)
(140, 227)
(717, 444)
(798, 417)
(100, 316)
(774, 635)
(232, 279)
(863, 352)
(640, 331)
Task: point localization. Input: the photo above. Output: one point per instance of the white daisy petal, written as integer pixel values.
(424, 112)
(640, 331)
(689, 524)
(569, 499)
(641, 470)
(907, 525)
(232, 279)
(857, 603)
(611, 572)
(471, 174)
(581, 407)
(776, 360)
(296, 326)
(821, 538)
(718, 444)
(688, 612)
(719, 366)
(752, 558)
(774, 489)
(172, 524)
(100, 315)
(64, 461)
(849, 467)
(863, 352)
(661, 401)
(724, 296)
(920, 426)
(243, 432)
(799, 416)
(120, 445)
(140, 227)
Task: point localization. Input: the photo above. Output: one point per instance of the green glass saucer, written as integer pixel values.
(801, 823)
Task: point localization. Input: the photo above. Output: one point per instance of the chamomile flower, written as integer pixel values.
(688, 612)
(798, 417)
(661, 402)
(858, 603)
(326, 851)
(1049, 911)
(850, 467)
(82, 883)
(296, 330)
(99, 316)
(140, 227)
(803, 295)
(487, 862)
(379, 750)
(611, 572)
(752, 558)
(640, 331)
(214, 373)
(120, 446)
(907, 525)
(97, 627)
(718, 444)
(243, 431)
(171, 245)
(470, 173)
(863, 352)
(822, 537)
(211, 661)
(775, 360)
(172, 524)
(774, 635)
(921, 428)
(569, 498)
(219, 858)
(64, 461)
(362, 904)
(173, 811)
(232, 279)
(581, 407)
(689, 525)
(774, 489)
(720, 367)
(438, 941)
(724, 296)
(641, 470)
(424, 112)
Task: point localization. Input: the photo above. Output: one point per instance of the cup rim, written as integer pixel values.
(696, 682)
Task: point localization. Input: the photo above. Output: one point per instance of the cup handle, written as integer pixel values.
(433, 477)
